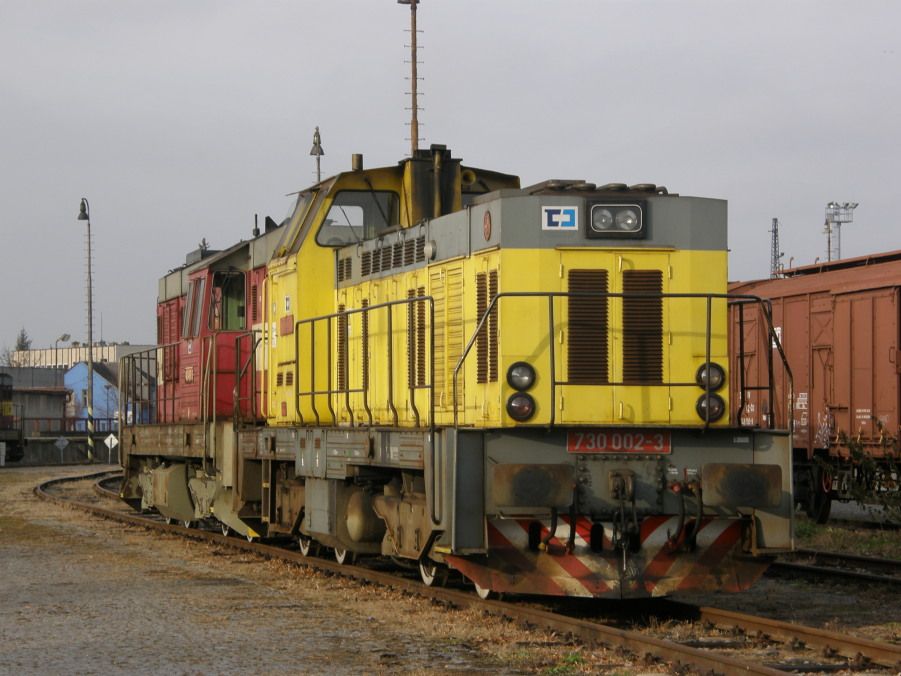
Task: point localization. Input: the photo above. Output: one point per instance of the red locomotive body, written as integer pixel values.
(839, 324)
(205, 314)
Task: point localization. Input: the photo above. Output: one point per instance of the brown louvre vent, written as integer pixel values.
(486, 342)
(398, 255)
(376, 261)
(279, 379)
(386, 258)
(289, 378)
(409, 252)
(492, 328)
(587, 358)
(420, 249)
(254, 303)
(348, 268)
(420, 338)
(342, 349)
(482, 339)
(366, 263)
(416, 339)
(344, 269)
(643, 327)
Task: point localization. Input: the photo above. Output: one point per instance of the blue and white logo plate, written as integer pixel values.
(560, 219)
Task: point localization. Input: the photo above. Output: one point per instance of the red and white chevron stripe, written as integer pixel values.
(657, 569)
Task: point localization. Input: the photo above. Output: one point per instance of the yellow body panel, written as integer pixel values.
(394, 390)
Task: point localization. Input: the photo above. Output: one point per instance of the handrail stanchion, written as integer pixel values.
(551, 333)
(390, 362)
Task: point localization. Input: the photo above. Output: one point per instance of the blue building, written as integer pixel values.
(106, 395)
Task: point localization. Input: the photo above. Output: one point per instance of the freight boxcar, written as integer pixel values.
(839, 325)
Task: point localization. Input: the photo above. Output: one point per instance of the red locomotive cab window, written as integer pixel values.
(227, 301)
(193, 308)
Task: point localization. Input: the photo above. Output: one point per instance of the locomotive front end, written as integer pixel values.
(592, 451)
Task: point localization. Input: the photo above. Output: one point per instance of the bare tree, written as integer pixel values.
(23, 343)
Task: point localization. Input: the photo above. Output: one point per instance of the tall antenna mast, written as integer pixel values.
(414, 78)
(775, 254)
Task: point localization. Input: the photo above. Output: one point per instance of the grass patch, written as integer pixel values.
(570, 664)
(867, 542)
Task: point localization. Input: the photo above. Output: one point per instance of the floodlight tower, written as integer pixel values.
(775, 254)
(837, 214)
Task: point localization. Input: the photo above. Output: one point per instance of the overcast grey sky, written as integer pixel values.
(181, 119)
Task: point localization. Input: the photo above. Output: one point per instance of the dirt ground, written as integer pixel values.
(82, 595)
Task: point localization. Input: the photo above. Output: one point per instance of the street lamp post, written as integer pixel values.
(85, 215)
(62, 339)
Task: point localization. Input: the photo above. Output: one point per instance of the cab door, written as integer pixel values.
(640, 338)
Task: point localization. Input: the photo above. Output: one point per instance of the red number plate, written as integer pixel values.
(618, 441)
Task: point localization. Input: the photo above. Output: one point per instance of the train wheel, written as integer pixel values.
(819, 501)
(342, 556)
(306, 545)
(225, 529)
(187, 523)
(431, 573)
(168, 520)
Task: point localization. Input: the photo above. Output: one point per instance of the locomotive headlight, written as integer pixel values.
(628, 220)
(521, 376)
(520, 406)
(710, 407)
(601, 219)
(617, 220)
(710, 376)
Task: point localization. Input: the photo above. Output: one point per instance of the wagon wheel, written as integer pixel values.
(819, 500)
(225, 529)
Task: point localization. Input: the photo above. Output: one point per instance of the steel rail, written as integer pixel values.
(808, 570)
(885, 654)
(872, 563)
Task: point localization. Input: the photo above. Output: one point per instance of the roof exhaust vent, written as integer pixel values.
(356, 162)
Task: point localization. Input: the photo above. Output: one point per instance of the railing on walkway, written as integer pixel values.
(739, 300)
(413, 325)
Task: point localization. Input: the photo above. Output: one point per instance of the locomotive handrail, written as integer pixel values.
(331, 391)
(552, 295)
(140, 371)
(241, 371)
(766, 306)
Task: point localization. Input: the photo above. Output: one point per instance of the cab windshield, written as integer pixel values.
(356, 215)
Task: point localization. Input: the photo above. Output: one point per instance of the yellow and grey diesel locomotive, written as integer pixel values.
(429, 362)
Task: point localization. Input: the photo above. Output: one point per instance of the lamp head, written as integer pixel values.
(84, 214)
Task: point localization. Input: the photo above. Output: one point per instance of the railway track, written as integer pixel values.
(812, 563)
(717, 654)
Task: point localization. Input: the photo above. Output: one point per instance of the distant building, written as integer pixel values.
(40, 397)
(66, 356)
(106, 395)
